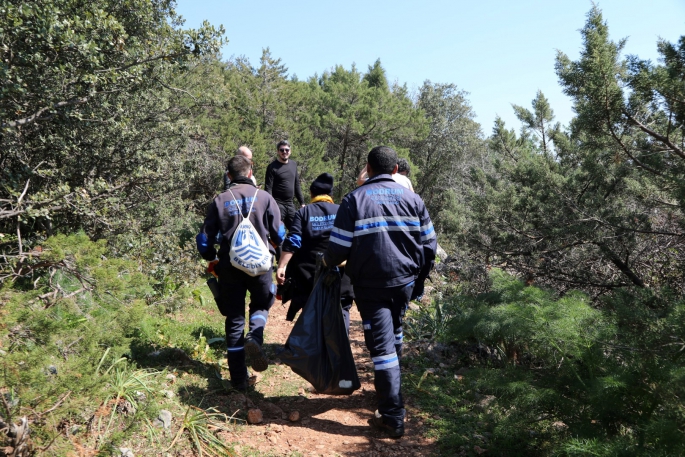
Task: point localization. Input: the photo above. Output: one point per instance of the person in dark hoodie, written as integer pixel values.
(309, 235)
(224, 215)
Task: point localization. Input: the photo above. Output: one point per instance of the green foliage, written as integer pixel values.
(529, 317)
(85, 346)
(453, 145)
(605, 379)
(599, 206)
(92, 124)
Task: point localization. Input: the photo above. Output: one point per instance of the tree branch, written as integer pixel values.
(654, 134)
(35, 117)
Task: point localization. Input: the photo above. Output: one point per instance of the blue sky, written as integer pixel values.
(500, 51)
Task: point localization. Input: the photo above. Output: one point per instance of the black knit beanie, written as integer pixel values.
(323, 184)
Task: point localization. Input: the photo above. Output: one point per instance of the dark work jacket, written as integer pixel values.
(282, 182)
(384, 232)
(308, 235)
(223, 216)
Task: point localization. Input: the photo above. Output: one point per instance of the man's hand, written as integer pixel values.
(280, 275)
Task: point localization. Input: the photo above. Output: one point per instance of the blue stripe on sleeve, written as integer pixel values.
(295, 241)
(340, 236)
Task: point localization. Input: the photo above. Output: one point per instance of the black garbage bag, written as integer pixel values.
(318, 348)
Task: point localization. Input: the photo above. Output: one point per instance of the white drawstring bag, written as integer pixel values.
(248, 251)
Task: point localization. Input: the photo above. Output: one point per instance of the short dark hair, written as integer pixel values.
(282, 143)
(403, 165)
(382, 160)
(238, 166)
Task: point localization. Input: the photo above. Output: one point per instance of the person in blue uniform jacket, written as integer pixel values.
(384, 232)
(224, 216)
(308, 235)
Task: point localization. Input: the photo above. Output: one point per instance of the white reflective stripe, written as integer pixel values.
(347, 244)
(431, 235)
(372, 220)
(367, 326)
(235, 349)
(258, 316)
(426, 227)
(344, 384)
(399, 336)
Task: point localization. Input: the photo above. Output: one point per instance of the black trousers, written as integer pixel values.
(234, 285)
(288, 211)
(382, 312)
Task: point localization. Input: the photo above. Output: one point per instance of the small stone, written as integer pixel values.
(414, 307)
(255, 416)
(125, 452)
(430, 370)
(276, 428)
(167, 393)
(163, 420)
(52, 370)
(294, 416)
(171, 378)
(140, 396)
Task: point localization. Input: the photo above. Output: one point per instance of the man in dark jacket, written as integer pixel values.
(282, 182)
(224, 215)
(387, 237)
(307, 237)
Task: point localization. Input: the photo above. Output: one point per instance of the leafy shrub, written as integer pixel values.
(610, 376)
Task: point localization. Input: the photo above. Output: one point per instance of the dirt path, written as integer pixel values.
(327, 425)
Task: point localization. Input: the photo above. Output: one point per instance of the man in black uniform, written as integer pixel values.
(308, 236)
(386, 235)
(282, 183)
(224, 215)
